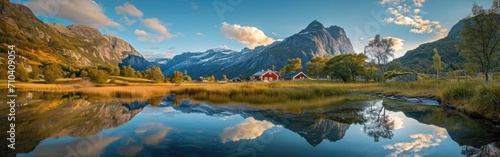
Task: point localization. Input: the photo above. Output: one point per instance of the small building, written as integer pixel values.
(236, 79)
(202, 79)
(294, 76)
(267, 76)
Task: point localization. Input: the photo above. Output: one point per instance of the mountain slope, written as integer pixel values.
(420, 59)
(313, 41)
(43, 43)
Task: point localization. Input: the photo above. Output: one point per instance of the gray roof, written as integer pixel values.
(291, 75)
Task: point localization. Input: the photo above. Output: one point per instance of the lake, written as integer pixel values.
(78, 125)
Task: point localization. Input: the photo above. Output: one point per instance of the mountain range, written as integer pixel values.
(72, 46)
(313, 41)
(420, 59)
(78, 46)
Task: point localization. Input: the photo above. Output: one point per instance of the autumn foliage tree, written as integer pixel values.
(177, 78)
(98, 76)
(52, 72)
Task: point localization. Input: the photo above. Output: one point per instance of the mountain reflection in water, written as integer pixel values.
(77, 125)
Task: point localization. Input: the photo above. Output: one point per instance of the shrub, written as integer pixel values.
(489, 97)
(460, 92)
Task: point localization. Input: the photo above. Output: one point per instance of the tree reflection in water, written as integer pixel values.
(378, 124)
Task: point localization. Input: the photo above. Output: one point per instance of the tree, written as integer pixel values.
(371, 71)
(35, 72)
(21, 74)
(294, 65)
(187, 78)
(224, 77)
(138, 74)
(380, 50)
(437, 62)
(177, 78)
(98, 76)
(394, 66)
(127, 71)
(113, 70)
(155, 74)
(52, 72)
(481, 41)
(84, 73)
(315, 66)
(346, 67)
(213, 78)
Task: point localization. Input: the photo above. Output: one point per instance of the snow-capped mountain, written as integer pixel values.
(313, 41)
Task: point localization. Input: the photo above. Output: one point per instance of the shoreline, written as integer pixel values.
(427, 101)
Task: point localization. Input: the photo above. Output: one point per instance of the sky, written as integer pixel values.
(162, 29)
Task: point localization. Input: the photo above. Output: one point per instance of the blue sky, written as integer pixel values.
(169, 27)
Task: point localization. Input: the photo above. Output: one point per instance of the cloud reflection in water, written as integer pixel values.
(248, 129)
(421, 141)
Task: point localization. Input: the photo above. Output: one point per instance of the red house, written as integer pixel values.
(267, 76)
(294, 76)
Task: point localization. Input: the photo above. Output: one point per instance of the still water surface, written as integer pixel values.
(80, 126)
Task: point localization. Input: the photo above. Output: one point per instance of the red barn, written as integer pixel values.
(265, 76)
(294, 76)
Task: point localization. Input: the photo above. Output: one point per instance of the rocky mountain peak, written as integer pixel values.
(336, 31)
(315, 25)
(76, 45)
(85, 31)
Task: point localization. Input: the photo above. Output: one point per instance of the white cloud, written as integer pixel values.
(249, 129)
(155, 24)
(250, 36)
(392, 2)
(403, 14)
(154, 55)
(418, 3)
(398, 43)
(194, 5)
(199, 33)
(79, 11)
(129, 9)
(140, 32)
